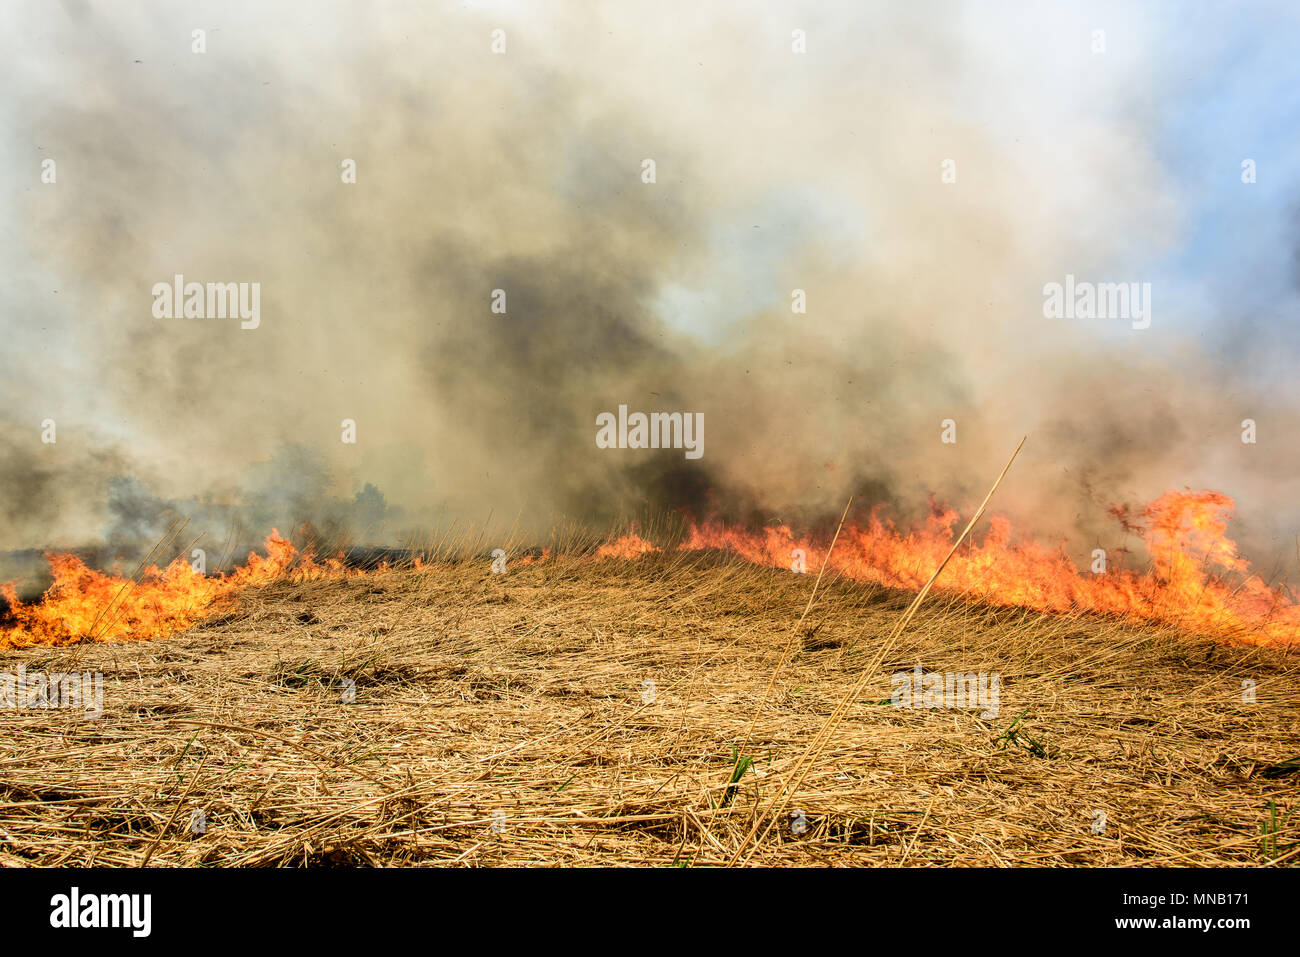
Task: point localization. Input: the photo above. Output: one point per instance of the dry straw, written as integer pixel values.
(500, 720)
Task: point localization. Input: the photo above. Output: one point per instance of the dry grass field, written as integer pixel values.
(589, 712)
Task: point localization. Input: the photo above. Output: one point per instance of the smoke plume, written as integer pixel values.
(523, 171)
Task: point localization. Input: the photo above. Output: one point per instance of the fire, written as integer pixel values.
(1185, 534)
(628, 546)
(86, 604)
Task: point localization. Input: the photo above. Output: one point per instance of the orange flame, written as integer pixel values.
(628, 546)
(83, 603)
(1185, 533)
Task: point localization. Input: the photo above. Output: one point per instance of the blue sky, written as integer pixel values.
(1230, 90)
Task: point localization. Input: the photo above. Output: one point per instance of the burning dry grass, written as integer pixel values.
(505, 720)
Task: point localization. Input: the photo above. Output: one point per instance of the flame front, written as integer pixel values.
(628, 546)
(1185, 534)
(86, 604)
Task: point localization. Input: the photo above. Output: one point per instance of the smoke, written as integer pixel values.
(522, 171)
